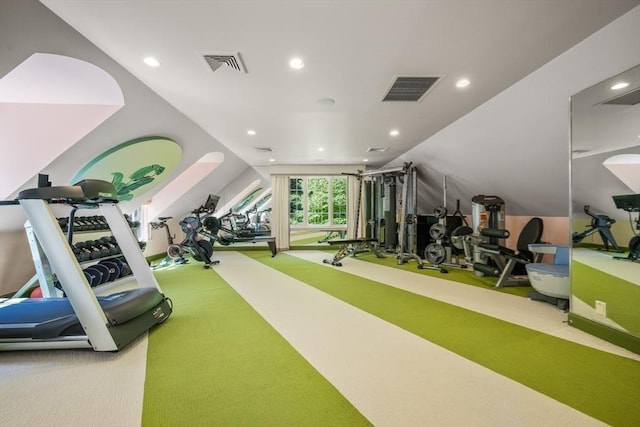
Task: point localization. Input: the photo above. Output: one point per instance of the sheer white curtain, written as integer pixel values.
(280, 211)
(354, 199)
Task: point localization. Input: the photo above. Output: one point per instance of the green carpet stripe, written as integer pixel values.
(216, 361)
(620, 295)
(600, 384)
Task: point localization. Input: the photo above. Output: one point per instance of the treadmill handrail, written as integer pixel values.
(85, 191)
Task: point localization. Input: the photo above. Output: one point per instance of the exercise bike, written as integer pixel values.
(600, 224)
(162, 223)
(196, 244)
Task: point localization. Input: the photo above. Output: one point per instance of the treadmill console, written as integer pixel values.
(628, 202)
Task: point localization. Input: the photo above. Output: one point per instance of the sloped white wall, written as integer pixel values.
(516, 145)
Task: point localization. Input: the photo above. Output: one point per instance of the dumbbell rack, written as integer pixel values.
(45, 276)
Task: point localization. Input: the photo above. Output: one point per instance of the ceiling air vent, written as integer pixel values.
(409, 88)
(377, 150)
(263, 149)
(629, 98)
(230, 59)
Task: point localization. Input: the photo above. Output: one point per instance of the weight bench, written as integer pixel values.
(352, 247)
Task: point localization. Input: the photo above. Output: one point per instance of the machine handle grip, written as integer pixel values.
(499, 233)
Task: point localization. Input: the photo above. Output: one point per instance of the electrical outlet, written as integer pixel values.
(601, 308)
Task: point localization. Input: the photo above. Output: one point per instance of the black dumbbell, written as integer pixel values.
(103, 222)
(63, 222)
(80, 252)
(110, 247)
(88, 247)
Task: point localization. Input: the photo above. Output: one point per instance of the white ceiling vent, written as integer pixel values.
(377, 150)
(263, 149)
(411, 89)
(230, 59)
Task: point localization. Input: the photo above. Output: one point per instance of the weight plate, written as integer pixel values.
(440, 212)
(95, 276)
(435, 253)
(114, 269)
(104, 271)
(88, 276)
(125, 270)
(437, 231)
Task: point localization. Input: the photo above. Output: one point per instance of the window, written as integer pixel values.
(339, 199)
(296, 201)
(318, 201)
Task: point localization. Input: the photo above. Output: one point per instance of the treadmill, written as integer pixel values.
(81, 319)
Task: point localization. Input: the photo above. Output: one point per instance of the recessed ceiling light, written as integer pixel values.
(296, 63)
(394, 132)
(462, 83)
(251, 132)
(151, 61)
(365, 160)
(320, 148)
(272, 160)
(619, 86)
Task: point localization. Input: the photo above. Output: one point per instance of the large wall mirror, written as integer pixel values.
(605, 192)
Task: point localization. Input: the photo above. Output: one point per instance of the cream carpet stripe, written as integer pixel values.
(535, 315)
(70, 388)
(393, 377)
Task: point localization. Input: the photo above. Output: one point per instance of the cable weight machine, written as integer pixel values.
(383, 190)
(382, 230)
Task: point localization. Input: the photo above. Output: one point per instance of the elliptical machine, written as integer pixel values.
(600, 224)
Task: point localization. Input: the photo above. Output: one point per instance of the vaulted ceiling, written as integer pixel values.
(506, 133)
(352, 50)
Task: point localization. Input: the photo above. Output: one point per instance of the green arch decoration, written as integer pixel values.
(134, 167)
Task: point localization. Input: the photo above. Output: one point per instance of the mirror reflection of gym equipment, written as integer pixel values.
(600, 224)
(605, 177)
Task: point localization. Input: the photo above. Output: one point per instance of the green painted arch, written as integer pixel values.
(134, 167)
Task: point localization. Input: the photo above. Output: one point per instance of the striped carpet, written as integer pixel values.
(392, 376)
